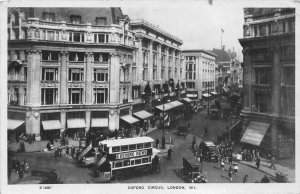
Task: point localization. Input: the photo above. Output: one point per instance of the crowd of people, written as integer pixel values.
(16, 166)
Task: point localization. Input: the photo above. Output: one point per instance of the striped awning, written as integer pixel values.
(206, 95)
(191, 95)
(75, 123)
(143, 114)
(51, 125)
(99, 122)
(255, 133)
(129, 119)
(187, 99)
(169, 106)
(13, 124)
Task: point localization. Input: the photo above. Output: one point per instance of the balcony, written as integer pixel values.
(59, 31)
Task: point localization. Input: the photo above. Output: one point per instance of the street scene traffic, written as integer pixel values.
(96, 96)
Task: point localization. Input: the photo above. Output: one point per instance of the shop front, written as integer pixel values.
(15, 129)
(144, 117)
(128, 125)
(51, 129)
(75, 128)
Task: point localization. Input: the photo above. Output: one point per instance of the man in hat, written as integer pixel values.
(169, 153)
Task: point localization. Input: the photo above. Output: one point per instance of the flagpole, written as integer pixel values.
(221, 37)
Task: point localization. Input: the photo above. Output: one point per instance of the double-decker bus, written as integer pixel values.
(126, 156)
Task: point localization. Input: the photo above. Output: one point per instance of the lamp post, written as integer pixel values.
(163, 139)
(208, 101)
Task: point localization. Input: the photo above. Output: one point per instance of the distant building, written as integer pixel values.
(200, 68)
(269, 79)
(228, 69)
(74, 70)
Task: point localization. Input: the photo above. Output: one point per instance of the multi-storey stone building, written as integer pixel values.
(269, 79)
(200, 68)
(72, 70)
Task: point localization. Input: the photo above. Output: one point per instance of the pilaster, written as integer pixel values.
(63, 78)
(34, 78)
(276, 82)
(159, 61)
(150, 64)
(88, 79)
(114, 81)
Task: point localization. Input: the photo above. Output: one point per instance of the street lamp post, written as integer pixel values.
(208, 101)
(163, 139)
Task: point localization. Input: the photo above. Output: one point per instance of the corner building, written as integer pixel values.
(269, 79)
(74, 70)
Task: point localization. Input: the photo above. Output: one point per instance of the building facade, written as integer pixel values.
(269, 77)
(228, 70)
(200, 68)
(73, 70)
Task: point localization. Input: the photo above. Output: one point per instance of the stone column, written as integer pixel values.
(113, 120)
(166, 64)
(114, 81)
(276, 83)
(173, 65)
(150, 64)
(21, 96)
(64, 79)
(87, 120)
(34, 78)
(274, 136)
(159, 62)
(33, 124)
(88, 79)
(63, 120)
(247, 79)
(20, 25)
(139, 60)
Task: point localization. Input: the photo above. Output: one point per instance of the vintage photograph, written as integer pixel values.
(150, 95)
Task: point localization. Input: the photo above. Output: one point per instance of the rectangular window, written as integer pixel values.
(49, 17)
(25, 73)
(145, 160)
(262, 103)
(118, 164)
(263, 76)
(101, 57)
(190, 85)
(50, 56)
(100, 75)
(74, 57)
(49, 96)
(134, 75)
(124, 148)
(139, 146)
(116, 149)
(136, 92)
(50, 74)
(75, 19)
(147, 145)
(50, 35)
(126, 163)
(132, 147)
(101, 21)
(100, 95)
(138, 161)
(101, 38)
(75, 95)
(145, 74)
(76, 74)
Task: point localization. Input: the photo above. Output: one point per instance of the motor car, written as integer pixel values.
(209, 151)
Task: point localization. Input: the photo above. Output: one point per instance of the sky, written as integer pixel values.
(198, 24)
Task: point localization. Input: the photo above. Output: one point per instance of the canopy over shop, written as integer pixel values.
(13, 127)
(255, 133)
(169, 106)
(143, 114)
(13, 124)
(76, 127)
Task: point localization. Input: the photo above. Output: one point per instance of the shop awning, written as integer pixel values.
(13, 124)
(129, 119)
(214, 93)
(187, 99)
(76, 123)
(143, 114)
(99, 122)
(255, 133)
(51, 125)
(191, 95)
(169, 106)
(206, 95)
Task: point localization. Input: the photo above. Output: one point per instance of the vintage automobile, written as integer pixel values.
(41, 176)
(192, 171)
(209, 151)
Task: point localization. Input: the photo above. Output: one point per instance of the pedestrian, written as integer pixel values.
(230, 160)
(157, 143)
(205, 131)
(169, 153)
(67, 150)
(245, 179)
(222, 164)
(230, 173)
(258, 162)
(33, 138)
(273, 163)
(21, 174)
(193, 142)
(72, 151)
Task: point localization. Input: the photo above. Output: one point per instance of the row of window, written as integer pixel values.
(74, 56)
(132, 162)
(74, 19)
(131, 147)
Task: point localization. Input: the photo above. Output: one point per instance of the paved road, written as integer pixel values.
(69, 172)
